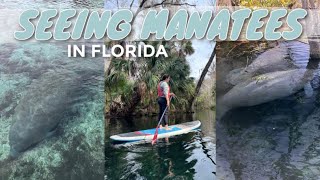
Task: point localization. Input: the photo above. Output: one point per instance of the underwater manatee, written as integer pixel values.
(274, 59)
(48, 100)
(263, 88)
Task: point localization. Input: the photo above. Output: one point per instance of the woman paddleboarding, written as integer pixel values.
(164, 100)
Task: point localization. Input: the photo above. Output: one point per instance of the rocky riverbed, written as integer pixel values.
(33, 80)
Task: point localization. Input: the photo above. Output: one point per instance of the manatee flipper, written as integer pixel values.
(52, 132)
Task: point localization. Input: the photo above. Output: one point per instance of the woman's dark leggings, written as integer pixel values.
(162, 101)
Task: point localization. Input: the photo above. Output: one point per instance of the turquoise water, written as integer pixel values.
(188, 156)
(65, 91)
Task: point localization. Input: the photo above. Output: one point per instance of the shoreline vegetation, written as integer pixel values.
(130, 83)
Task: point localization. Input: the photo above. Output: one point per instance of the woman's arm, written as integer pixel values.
(166, 92)
(168, 100)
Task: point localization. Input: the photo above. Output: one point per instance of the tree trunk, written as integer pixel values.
(203, 75)
(312, 4)
(304, 4)
(227, 3)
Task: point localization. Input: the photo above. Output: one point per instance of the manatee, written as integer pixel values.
(48, 100)
(263, 88)
(274, 59)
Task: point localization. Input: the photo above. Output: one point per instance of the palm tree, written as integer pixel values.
(185, 48)
(147, 72)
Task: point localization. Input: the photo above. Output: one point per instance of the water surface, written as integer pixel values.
(188, 156)
(274, 140)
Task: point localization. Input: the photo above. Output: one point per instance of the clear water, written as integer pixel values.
(31, 72)
(275, 140)
(188, 156)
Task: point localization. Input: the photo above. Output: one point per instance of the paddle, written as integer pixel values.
(155, 136)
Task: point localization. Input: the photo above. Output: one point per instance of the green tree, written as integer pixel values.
(131, 83)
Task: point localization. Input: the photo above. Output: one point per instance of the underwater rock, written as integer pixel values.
(305, 155)
(49, 100)
(263, 88)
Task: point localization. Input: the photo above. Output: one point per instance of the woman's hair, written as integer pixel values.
(164, 77)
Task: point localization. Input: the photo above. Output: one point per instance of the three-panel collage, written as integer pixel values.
(159, 89)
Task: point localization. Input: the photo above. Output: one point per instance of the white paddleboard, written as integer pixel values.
(147, 135)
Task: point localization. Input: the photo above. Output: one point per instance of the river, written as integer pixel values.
(188, 156)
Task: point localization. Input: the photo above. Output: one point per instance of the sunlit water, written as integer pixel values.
(30, 71)
(188, 156)
(275, 140)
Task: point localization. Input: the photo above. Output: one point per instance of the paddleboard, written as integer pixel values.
(147, 135)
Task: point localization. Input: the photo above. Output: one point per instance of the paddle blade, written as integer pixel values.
(155, 137)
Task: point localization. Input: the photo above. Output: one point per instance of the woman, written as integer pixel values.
(164, 100)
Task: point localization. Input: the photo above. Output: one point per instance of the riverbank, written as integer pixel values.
(148, 113)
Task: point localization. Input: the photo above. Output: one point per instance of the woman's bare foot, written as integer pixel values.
(161, 127)
(167, 128)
